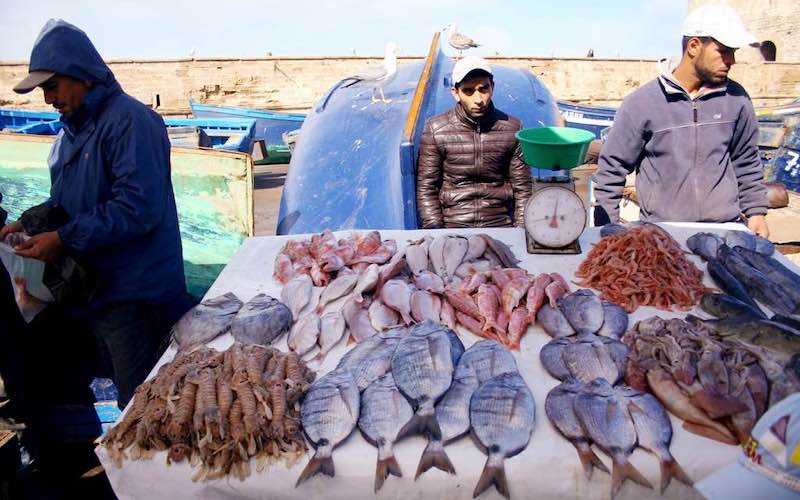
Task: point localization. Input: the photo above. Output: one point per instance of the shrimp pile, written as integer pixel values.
(642, 266)
(218, 410)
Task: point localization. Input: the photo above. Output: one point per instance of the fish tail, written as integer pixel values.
(670, 469)
(434, 456)
(422, 423)
(385, 467)
(318, 464)
(721, 434)
(622, 471)
(493, 474)
(589, 460)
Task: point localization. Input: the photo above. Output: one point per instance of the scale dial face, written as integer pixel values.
(554, 216)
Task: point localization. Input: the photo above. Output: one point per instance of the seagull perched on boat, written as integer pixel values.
(379, 75)
(458, 40)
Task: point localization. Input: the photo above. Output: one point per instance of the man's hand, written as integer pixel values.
(14, 227)
(758, 224)
(44, 246)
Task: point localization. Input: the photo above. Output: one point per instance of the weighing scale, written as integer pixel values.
(555, 216)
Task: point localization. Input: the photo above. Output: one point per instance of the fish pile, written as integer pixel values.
(219, 409)
(420, 380)
(582, 313)
(718, 375)
(617, 419)
(641, 265)
(421, 282)
(742, 265)
(323, 257)
(260, 321)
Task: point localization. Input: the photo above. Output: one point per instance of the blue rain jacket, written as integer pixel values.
(110, 170)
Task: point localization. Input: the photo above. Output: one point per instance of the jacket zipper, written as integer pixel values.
(478, 168)
(694, 173)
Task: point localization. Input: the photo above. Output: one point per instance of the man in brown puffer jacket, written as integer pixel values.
(470, 171)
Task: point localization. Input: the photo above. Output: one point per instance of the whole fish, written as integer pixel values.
(397, 295)
(615, 321)
(261, 320)
(462, 302)
(390, 270)
(455, 248)
(654, 433)
(554, 322)
(436, 256)
(367, 281)
(417, 255)
(371, 359)
(381, 316)
(583, 310)
(758, 285)
(559, 407)
(296, 293)
(488, 307)
(612, 230)
(304, 334)
(552, 357)
(776, 337)
(606, 421)
(329, 413)
(503, 252)
(476, 266)
(331, 330)
(502, 415)
(517, 326)
(705, 245)
(476, 248)
(728, 282)
(774, 270)
(448, 315)
(341, 286)
(474, 282)
(722, 305)
(357, 318)
(431, 282)
(587, 358)
(749, 241)
(425, 305)
(513, 293)
(206, 321)
(423, 366)
(535, 296)
(428, 327)
(384, 411)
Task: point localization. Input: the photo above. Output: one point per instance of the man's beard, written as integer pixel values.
(708, 77)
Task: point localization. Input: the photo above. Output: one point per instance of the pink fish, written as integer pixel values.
(535, 297)
(513, 293)
(517, 326)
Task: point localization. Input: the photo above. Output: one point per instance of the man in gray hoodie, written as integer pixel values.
(690, 135)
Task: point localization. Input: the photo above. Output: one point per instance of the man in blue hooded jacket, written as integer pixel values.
(110, 171)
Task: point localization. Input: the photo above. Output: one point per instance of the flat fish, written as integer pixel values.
(297, 293)
(357, 318)
(455, 248)
(417, 256)
(431, 282)
(502, 415)
(554, 322)
(609, 425)
(397, 295)
(559, 407)
(206, 321)
(381, 316)
(423, 367)
(425, 305)
(372, 359)
(304, 334)
(615, 321)
(436, 256)
(261, 320)
(367, 281)
(384, 411)
(331, 331)
(329, 413)
(341, 286)
(583, 310)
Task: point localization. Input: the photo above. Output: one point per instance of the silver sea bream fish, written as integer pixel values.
(384, 411)
(502, 416)
(329, 414)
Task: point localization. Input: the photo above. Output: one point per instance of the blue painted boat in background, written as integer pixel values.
(355, 164)
(591, 118)
(270, 125)
(29, 122)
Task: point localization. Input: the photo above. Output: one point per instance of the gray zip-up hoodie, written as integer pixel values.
(696, 158)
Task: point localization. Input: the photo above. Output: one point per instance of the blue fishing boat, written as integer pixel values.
(591, 118)
(355, 163)
(270, 125)
(29, 122)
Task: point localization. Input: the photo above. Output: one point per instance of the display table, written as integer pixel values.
(547, 468)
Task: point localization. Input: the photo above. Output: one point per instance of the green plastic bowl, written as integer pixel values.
(554, 148)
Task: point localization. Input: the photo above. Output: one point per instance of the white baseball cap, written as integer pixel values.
(721, 23)
(467, 64)
(769, 466)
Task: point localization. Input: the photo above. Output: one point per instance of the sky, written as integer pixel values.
(167, 29)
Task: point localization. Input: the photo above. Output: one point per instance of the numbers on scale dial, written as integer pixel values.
(555, 216)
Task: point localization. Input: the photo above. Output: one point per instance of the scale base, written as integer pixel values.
(533, 247)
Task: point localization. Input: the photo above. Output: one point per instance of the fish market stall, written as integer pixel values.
(547, 467)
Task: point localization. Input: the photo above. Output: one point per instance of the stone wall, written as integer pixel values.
(293, 84)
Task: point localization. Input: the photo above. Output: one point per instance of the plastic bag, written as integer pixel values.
(26, 274)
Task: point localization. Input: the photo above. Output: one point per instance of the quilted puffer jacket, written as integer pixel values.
(470, 173)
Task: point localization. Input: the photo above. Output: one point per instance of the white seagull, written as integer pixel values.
(458, 40)
(379, 75)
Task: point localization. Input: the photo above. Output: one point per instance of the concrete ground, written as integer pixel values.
(267, 188)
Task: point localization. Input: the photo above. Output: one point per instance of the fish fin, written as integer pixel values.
(716, 405)
(492, 475)
(434, 456)
(670, 469)
(384, 468)
(710, 433)
(315, 466)
(589, 460)
(622, 471)
(421, 424)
